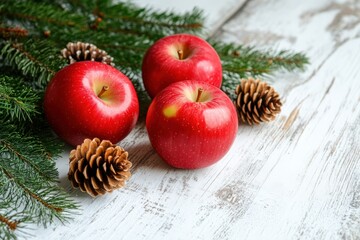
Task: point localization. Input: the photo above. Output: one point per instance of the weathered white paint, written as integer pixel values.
(295, 178)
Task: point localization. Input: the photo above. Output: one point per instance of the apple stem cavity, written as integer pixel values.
(103, 90)
(200, 91)
(180, 54)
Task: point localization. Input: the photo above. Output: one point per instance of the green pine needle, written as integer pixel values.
(242, 62)
(18, 102)
(29, 179)
(38, 60)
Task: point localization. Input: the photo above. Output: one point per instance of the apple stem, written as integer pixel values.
(180, 54)
(103, 90)
(200, 90)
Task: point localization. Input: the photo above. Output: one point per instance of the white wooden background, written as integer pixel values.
(295, 178)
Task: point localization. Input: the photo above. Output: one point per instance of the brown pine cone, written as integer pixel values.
(80, 51)
(256, 101)
(98, 167)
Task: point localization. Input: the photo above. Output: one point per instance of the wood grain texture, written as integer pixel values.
(295, 178)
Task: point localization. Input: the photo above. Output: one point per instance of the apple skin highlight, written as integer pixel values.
(75, 111)
(188, 134)
(162, 64)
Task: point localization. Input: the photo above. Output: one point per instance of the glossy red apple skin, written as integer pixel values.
(161, 64)
(189, 134)
(74, 110)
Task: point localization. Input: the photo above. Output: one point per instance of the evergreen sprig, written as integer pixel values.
(32, 33)
(29, 179)
(37, 60)
(242, 61)
(29, 191)
(17, 100)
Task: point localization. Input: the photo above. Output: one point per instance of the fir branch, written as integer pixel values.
(9, 221)
(248, 60)
(153, 24)
(12, 222)
(13, 32)
(34, 196)
(30, 163)
(39, 13)
(127, 50)
(87, 6)
(44, 202)
(239, 62)
(18, 102)
(12, 219)
(29, 177)
(36, 59)
(125, 17)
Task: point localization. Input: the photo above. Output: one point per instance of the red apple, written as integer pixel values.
(180, 57)
(91, 99)
(191, 124)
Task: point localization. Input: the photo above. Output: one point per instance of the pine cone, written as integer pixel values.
(256, 101)
(98, 167)
(80, 51)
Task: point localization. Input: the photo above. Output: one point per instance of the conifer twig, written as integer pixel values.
(17, 101)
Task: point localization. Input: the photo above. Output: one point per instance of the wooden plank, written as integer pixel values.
(295, 178)
(309, 184)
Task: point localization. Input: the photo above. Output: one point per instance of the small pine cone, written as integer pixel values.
(256, 101)
(80, 51)
(98, 167)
